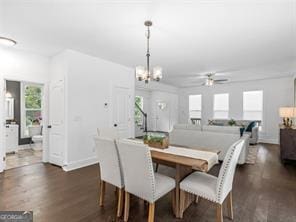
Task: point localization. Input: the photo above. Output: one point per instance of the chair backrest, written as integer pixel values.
(137, 169)
(108, 133)
(226, 174)
(108, 157)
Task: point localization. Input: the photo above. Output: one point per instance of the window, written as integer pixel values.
(221, 106)
(253, 105)
(31, 107)
(138, 115)
(195, 107)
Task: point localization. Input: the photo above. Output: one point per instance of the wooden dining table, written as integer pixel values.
(184, 166)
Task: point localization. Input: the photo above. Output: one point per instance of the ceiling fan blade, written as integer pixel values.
(193, 84)
(220, 80)
(228, 70)
(188, 77)
(221, 74)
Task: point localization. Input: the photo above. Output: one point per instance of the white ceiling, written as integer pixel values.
(247, 39)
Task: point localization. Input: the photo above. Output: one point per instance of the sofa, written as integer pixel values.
(195, 136)
(252, 131)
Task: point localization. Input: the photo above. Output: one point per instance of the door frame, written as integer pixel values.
(45, 145)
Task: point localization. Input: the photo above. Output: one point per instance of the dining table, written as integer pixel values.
(185, 160)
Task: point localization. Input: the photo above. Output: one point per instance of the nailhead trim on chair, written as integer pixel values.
(203, 195)
(151, 173)
(223, 175)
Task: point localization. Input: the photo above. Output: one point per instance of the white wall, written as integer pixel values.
(21, 66)
(276, 93)
(89, 84)
(153, 93)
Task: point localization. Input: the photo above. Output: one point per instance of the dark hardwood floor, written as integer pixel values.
(265, 191)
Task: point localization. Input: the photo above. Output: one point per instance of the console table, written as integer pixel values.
(288, 144)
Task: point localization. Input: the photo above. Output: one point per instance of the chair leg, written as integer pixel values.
(182, 202)
(219, 213)
(151, 212)
(126, 206)
(230, 206)
(120, 202)
(102, 192)
(173, 193)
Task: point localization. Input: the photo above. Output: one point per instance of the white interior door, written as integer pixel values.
(162, 118)
(56, 123)
(121, 111)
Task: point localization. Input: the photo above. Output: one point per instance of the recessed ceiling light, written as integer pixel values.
(7, 42)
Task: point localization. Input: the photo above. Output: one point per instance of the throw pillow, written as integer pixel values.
(242, 129)
(251, 126)
(210, 122)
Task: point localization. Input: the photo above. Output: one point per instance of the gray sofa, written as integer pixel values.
(254, 134)
(195, 136)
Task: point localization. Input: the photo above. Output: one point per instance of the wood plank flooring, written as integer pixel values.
(23, 157)
(265, 192)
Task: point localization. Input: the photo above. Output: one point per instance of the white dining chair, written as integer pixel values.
(139, 177)
(214, 189)
(110, 169)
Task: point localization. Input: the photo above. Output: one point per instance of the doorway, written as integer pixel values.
(24, 121)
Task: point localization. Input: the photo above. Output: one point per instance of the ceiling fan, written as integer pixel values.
(210, 81)
(210, 78)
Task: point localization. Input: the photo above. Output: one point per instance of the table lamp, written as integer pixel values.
(287, 113)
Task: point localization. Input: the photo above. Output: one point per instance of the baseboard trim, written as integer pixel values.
(270, 141)
(79, 164)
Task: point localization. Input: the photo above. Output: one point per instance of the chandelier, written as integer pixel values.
(145, 73)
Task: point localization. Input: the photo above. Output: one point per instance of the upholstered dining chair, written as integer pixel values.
(110, 169)
(139, 177)
(214, 189)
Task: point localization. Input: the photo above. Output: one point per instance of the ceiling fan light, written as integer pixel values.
(140, 73)
(7, 42)
(157, 73)
(209, 82)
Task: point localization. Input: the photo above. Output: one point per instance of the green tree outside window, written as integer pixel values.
(33, 98)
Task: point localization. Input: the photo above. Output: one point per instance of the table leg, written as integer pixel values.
(177, 191)
(181, 173)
